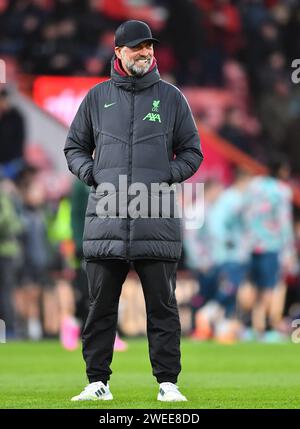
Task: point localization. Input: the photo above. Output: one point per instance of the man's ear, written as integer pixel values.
(118, 52)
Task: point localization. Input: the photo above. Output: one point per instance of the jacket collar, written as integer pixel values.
(121, 79)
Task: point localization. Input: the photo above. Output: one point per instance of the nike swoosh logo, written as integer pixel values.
(108, 105)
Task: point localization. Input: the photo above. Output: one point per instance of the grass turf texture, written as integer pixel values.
(252, 375)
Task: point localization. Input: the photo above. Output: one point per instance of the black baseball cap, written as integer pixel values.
(133, 32)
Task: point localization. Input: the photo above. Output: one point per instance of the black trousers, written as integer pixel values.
(158, 279)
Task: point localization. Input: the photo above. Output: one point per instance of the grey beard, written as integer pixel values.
(136, 70)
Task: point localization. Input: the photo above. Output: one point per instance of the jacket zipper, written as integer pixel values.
(130, 170)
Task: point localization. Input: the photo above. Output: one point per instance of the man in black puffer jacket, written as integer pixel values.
(134, 124)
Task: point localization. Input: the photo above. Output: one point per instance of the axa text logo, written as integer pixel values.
(152, 117)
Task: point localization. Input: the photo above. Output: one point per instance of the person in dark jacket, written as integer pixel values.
(12, 137)
(136, 123)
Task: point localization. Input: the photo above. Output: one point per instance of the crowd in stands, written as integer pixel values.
(245, 46)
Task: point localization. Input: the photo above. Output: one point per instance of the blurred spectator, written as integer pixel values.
(292, 300)
(97, 61)
(290, 146)
(12, 136)
(184, 35)
(62, 270)
(230, 244)
(236, 82)
(4, 6)
(35, 258)
(55, 52)
(254, 14)
(10, 228)
(199, 255)
(217, 255)
(274, 70)
(223, 25)
(269, 40)
(22, 22)
(234, 131)
(93, 21)
(68, 8)
(223, 37)
(278, 109)
(291, 33)
(213, 118)
(259, 47)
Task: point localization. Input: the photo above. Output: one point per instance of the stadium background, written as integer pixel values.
(233, 61)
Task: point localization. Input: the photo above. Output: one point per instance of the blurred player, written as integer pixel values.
(271, 237)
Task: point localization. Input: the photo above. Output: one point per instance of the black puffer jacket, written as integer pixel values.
(135, 126)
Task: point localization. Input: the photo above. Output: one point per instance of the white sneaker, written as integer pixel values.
(96, 391)
(168, 392)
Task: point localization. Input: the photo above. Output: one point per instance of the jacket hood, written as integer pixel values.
(121, 79)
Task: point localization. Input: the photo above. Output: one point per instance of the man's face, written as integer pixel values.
(136, 61)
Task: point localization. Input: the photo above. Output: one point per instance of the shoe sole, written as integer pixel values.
(110, 398)
(172, 400)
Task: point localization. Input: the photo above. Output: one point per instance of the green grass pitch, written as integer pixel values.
(249, 375)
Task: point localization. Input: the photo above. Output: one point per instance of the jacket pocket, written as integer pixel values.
(98, 151)
(165, 141)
